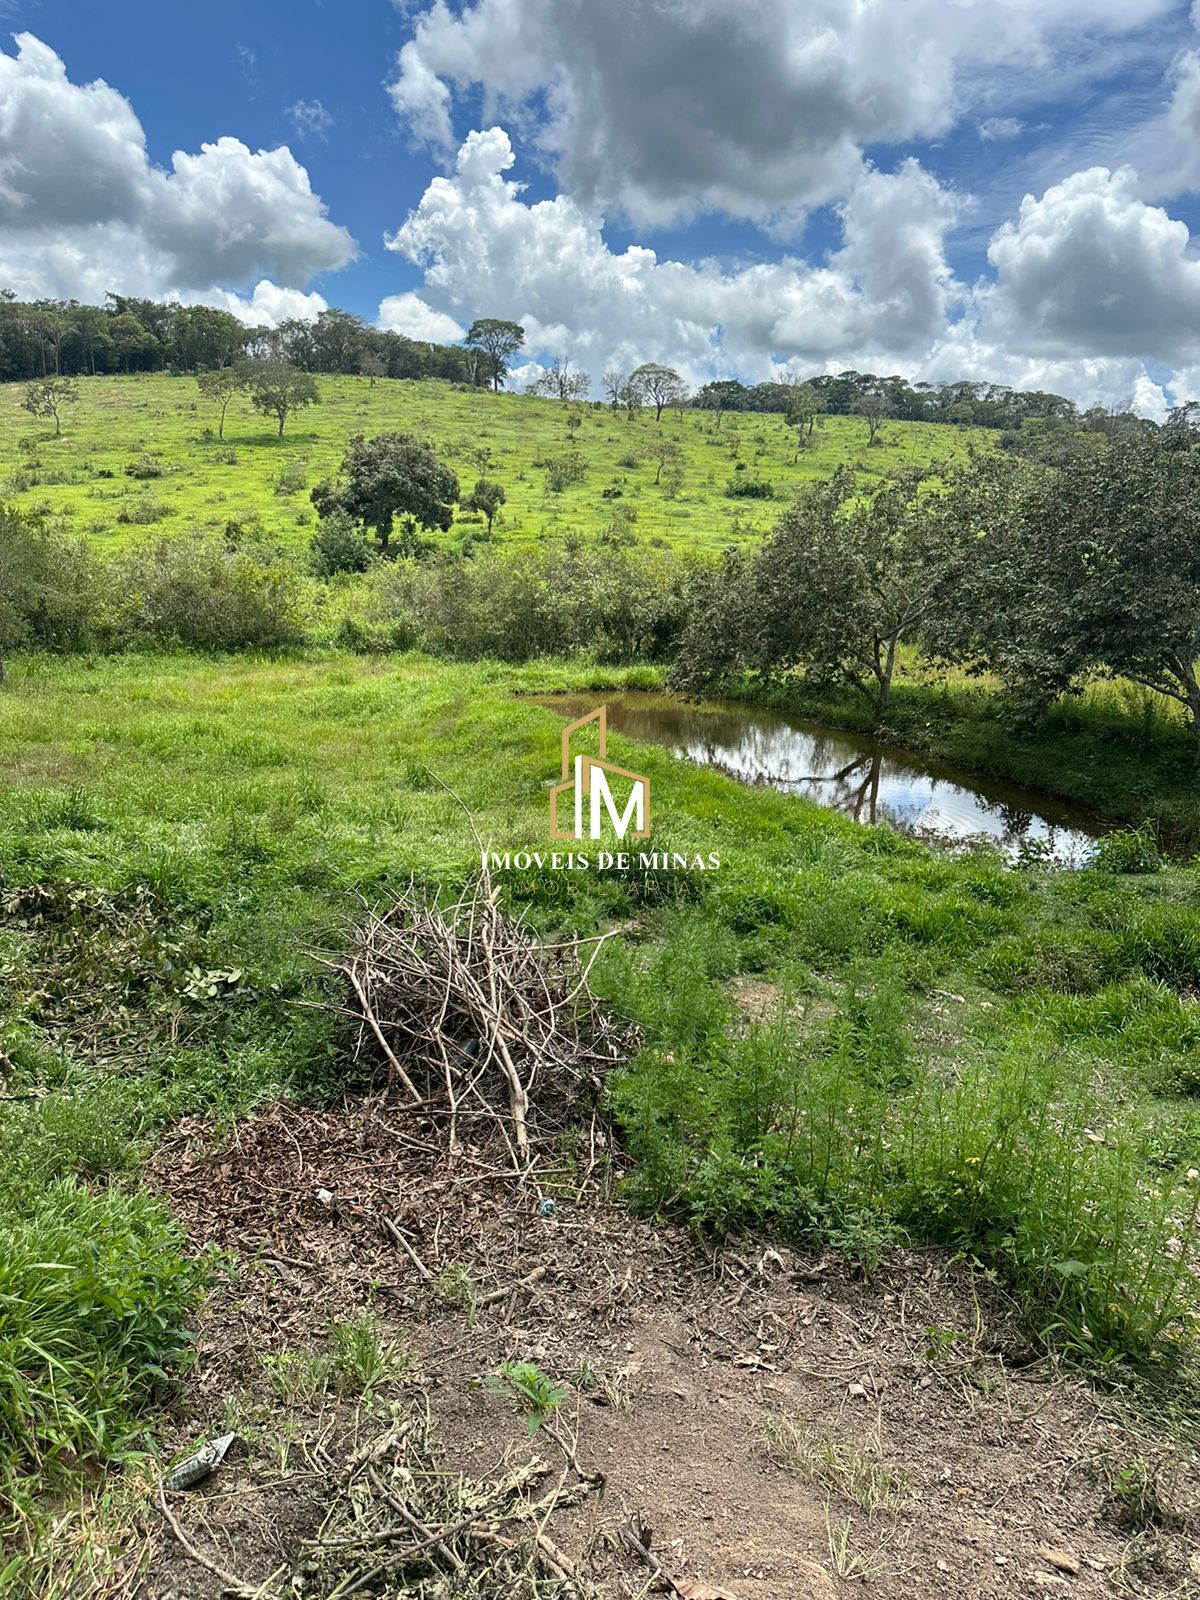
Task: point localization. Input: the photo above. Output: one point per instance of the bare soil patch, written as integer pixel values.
(774, 1427)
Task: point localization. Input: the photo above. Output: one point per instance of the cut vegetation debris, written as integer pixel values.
(464, 1008)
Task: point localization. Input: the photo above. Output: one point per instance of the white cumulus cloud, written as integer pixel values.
(410, 315)
(84, 210)
(1090, 269)
(664, 108)
(1090, 284)
(486, 251)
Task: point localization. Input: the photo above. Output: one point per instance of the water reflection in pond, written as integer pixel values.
(850, 773)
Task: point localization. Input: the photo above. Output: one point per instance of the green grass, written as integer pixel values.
(999, 1062)
(258, 480)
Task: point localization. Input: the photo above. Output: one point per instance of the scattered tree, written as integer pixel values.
(660, 386)
(372, 366)
(487, 497)
(666, 452)
(392, 475)
(277, 389)
(48, 396)
(559, 382)
(497, 341)
(616, 385)
(805, 405)
(873, 407)
(219, 387)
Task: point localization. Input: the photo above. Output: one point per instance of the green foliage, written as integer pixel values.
(364, 1358)
(47, 397)
(487, 497)
(339, 546)
(49, 587)
(218, 388)
(1093, 569)
(620, 605)
(94, 1293)
(565, 470)
(749, 488)
(531, 1391)
(142, 510)
(840, 584)
(199, 594)
(497, 341)
(278, 389)
(392, 475)
(1128, 850)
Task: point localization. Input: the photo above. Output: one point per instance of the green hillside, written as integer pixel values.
(159, 424)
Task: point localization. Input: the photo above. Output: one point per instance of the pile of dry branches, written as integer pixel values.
(473, 1018)
(398, 1525)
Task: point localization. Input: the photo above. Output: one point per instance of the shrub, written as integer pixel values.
(292, 478)
(339, 545)
(1128, 850)
(562, 472)
(145, 466)
(51, 589)
(198, 594)
(515, 605)
(749, 489)
(94, 1290)
(144, 508)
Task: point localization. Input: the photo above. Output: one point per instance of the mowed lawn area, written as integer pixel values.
(140, 455)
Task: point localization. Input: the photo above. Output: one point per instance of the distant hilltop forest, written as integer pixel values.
(63, 338)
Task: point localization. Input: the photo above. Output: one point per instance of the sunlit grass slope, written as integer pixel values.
(159, 424)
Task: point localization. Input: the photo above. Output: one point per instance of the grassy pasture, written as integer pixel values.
(158, 424)
(1002, 1063)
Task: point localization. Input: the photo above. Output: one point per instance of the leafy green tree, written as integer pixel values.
(723, 394)
(487, 497)
(660, 386)
(219, 388)
(873, 407)
(392, 475)
(497, 341)
(1092, 569)
(133, 343)
(804, 406)
(277, 389)
(666, 452)
(47, 397)
(835, 590)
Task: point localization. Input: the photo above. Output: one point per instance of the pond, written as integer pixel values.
(849, 772)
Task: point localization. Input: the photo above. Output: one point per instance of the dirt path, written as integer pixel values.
(780, 1429)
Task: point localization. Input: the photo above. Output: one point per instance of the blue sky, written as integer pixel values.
(997, 188)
